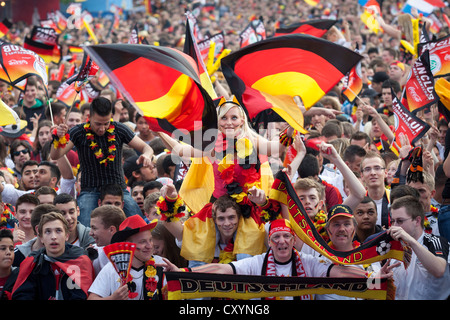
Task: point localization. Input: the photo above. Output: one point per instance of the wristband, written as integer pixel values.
(60, 142)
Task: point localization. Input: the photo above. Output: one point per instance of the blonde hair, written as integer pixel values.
(405, 22)
(246, 130)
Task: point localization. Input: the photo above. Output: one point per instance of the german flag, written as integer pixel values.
(5, 25)
(270, 73)
(353, 83)
(163, 84)
(191, 49)
(50, 53)
(315, 28)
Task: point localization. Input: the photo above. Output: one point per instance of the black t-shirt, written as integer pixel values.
(94, 174)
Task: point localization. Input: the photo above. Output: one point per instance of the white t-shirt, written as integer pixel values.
(415, 282)
(108, 280)
(253, 266)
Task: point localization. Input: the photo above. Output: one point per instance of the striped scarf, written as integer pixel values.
(269, 269)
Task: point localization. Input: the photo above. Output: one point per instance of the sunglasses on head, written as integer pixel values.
(24, 151)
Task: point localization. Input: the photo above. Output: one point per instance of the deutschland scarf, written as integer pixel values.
(269, 269)
(381, 247)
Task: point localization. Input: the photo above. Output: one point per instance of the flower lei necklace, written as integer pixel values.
(150, 282)
(247, 159)
(101, 157)
(426, 223)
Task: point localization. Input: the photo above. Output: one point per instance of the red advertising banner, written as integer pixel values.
(439, 55)
(406, 122)
(419, 89)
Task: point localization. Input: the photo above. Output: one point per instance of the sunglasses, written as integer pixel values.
(24, 151)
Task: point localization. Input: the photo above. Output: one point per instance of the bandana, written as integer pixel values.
(398, 64)
(280, 225)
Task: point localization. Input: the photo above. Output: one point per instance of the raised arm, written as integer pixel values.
(175, 227)
(56, 153)
(146, 151)
(383, 125)
(180, 149)
(357, 190)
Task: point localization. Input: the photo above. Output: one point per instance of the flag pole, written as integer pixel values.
(71, 107)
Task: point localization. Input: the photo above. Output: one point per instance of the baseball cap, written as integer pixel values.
(130, 166)
(340, 210)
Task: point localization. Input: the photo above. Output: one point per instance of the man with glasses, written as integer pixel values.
(20, 153)
(427, 276)
(373, 175)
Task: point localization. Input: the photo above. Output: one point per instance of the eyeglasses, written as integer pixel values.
(17, 153)
(399, 221)
(369, 169)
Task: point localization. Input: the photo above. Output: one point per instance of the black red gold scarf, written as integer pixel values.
(379, 248)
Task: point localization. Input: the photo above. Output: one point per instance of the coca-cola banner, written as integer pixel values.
(406, 122)
(419, 89)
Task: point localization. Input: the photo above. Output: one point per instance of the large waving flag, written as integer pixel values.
(163, 85)
(270, 73)
(419, 89)
(439, 55)
(315, 28)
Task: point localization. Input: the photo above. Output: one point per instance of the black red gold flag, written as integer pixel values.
(353, 83)
(270, 73)
(380, 247)
(315, 28)
(163, 84)
(49, 53)
(5, 25)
